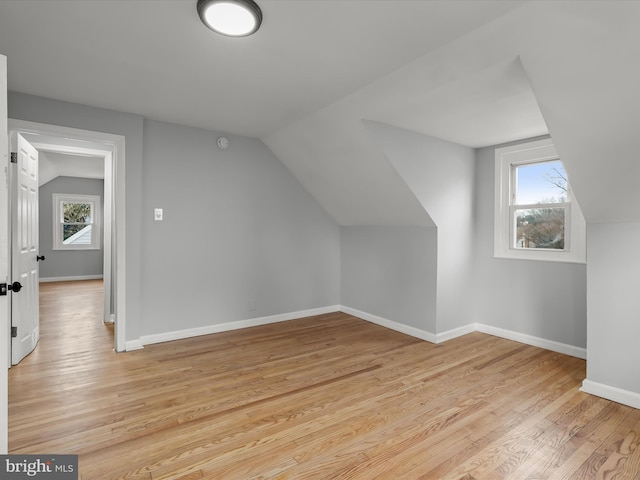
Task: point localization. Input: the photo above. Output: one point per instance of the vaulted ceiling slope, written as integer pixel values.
(157, 59)
(570, 67)
(457, 96)
(471, 72)
(53, 164)
(582, 61)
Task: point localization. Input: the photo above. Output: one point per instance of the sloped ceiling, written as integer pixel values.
(467, 102)
(59, 156)
(566, 66)
(54, 164)
(158, 60)
(472, 72)
(585, 74)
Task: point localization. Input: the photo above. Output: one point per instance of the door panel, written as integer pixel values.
(24, 239)
(5, 338)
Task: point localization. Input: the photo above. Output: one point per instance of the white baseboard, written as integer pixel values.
(398, 327)
(70, 279)
(611, 393)
(224, 327)
(534, 341)
(130, 345)
(465, 329)
(456, 332)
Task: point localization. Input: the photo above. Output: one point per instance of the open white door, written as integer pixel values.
(25, 314)
(4, 262)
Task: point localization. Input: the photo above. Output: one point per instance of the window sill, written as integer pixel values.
(545, 256)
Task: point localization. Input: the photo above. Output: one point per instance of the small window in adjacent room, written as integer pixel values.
(536, 215)
(76, 222)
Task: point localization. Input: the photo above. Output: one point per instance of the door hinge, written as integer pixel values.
(14, 332)
(14, 157)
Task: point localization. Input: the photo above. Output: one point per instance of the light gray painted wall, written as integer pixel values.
(613, 279)
(391, 272)
(543, 299)
(441, 176)
(68, 263)
(54, 112)
(265, 239)
(258, 235)
(238, 228)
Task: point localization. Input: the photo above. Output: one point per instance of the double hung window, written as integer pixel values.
(536, 215)
(76, 222)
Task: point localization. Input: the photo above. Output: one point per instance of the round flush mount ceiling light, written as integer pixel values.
(234, 18)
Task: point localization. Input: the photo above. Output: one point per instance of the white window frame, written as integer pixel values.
(58, 200)
(504, 213)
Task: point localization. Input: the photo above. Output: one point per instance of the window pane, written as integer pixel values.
(75, 234)
(75, 226)
(540, 228)
(544, 182)
(76, 212)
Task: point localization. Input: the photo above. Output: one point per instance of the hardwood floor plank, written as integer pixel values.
(329, 396)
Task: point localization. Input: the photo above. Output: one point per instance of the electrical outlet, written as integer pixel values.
(157, 214)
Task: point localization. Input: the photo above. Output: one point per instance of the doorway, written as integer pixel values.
(110, 148)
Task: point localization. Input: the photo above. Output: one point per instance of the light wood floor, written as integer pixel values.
(324, 397)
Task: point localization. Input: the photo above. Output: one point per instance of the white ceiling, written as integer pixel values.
(473, 72)
(63, 157)
(55, 164)
(158, 60)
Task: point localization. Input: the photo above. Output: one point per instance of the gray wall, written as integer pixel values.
(238, 228)
(251, 234)
(543, 299)
(68, 263)
(456, 186)
(441, 176)
(613, 277)
(391, 272)
(54, 112)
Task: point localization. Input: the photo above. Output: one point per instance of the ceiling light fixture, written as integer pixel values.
(234, 18)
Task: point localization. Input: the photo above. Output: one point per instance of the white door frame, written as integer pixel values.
(112, 147)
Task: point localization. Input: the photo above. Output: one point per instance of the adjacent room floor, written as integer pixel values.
(330, 396)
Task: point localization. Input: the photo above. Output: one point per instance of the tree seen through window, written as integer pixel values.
(76, 216)
(541, 191)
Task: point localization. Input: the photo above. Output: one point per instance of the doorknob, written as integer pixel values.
(39, 257)
(15, 286)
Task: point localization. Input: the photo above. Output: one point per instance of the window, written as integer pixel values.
(536, 215)
(76, 222)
